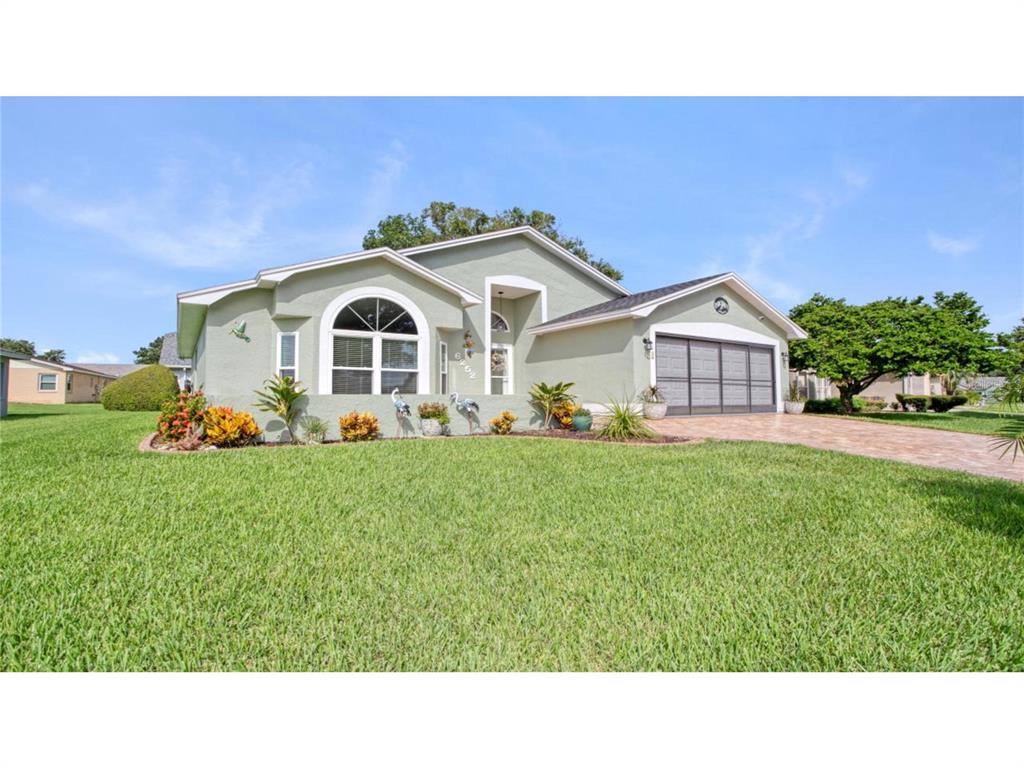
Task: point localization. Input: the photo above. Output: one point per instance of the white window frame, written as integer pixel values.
(508, 378)
(508, 325)
(328, 333)
(278, 367)
(442, 359)
(39, 382)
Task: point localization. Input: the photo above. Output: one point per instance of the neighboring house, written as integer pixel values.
(117, 370)
(6, 356)
(885, 387)
(169, 357)
(40, 381)
(484, 316)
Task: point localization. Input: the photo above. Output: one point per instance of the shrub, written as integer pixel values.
(548, 397)
(502, 425)
(281, 396)
(181, 416)
(563, 413)
(315, 429)
(913, 402)
(227, 428)
(625, 422)
(438, 411)
(828, 405)
(874, 404)
(355, 427)
(973, 396)
(146, 389)
(943, 403)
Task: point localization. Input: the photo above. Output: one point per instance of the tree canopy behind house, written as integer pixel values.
(150, 354)
(856, 344)
(24, 346)
(53, 355)
(442, 221)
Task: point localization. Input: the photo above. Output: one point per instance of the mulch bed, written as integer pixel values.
(151, 443)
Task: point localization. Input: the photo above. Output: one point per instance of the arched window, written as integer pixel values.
(375, 348)
(498, 323)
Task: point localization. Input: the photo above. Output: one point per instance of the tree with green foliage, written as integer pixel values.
(280, 396)
(962, 346)
(855, 345)
(442, 221)
(53, 355)
(150, 354)
(1011, 350)
(24, 346)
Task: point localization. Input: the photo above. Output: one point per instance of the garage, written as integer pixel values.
(700, 376)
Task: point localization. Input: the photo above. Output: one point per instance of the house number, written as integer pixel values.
(465, 366)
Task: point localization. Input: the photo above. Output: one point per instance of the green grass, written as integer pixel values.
(979, 422)
(494, 554)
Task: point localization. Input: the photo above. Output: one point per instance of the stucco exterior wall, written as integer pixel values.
(85, 387)
(24, 384)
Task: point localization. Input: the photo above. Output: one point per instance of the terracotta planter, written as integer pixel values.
(431, 427)
(582, 423)
(793, 406)
(655, 411)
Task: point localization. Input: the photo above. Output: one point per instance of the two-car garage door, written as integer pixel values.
(697, 376)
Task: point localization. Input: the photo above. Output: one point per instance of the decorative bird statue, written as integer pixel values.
(466, 407)
(239, 331)
(402, 410)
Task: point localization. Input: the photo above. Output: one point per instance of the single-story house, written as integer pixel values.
(485, 317)
(117, 370)
(6, 356)
(181, 368)
(885, 387)
(41, 381)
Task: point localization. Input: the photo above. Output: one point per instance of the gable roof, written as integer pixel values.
(643, 303)
(169, 353)
(117, 370)
(69, 367)
(530, 234)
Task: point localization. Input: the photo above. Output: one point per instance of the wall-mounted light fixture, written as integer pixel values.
(648, 346)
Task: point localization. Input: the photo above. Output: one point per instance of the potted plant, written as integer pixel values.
(794, 403)
(582, 420)
(654, 403)
(433, 418)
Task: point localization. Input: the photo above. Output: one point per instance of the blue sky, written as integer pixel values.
(111, 206)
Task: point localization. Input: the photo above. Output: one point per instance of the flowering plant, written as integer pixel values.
(224, 427)
(562, 413)
(358, 426)
(502, 425)
(182, 417)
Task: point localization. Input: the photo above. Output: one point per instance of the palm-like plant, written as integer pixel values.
(625, 421)
(547, 397)
(280, 395)
(1010, 436)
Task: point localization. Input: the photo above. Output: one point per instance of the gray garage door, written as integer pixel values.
(697, 376)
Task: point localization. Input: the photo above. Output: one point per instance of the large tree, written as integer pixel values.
(53, 355)
(855, 345)
(1011, 350)
(441, 221)
(24, 346)
(149, 354)
(962, 346)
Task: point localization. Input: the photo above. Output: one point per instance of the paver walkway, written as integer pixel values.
(915, 445)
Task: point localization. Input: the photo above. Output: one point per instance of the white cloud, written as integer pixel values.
(952, 246)
(97, 357)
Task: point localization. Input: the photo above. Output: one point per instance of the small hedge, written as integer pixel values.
(830, 405)
(918, 403)
(144, 390)
(943, 403)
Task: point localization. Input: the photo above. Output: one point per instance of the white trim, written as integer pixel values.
(278, 367)
(721, 332)
(531, 234)
(39, 382)
(269, 278)
(326, 338)
(511, 281)
(443, 375)
(793, 331)
(509, 362)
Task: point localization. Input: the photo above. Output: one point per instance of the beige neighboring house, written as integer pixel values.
(39, 381)
(886, 387)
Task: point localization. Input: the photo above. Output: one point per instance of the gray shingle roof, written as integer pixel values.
(117, 370)
(627, 302)
(169, 353)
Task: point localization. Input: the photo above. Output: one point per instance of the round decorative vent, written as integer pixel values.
(721, 305)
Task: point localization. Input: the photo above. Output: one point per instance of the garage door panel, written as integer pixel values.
(760, 365)
(734, 363)
(670, 356)
(734, 395)
(676, 392)
(704, 360)
(761, 394)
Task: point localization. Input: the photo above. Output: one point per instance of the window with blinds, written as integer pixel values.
(288, 355)
(375, 348)
(353, 366)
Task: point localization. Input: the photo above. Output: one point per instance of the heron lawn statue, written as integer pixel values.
(402, 411)
(466, 407)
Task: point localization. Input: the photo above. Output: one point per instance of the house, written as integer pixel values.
(6, 356)
(40, 381)
(169, 357)
(117, 370)
(885, 387)
(484, 316)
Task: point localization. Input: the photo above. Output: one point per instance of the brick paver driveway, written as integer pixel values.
(916, 445)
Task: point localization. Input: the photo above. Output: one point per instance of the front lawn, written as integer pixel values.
(494, 554)
(979, 422)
